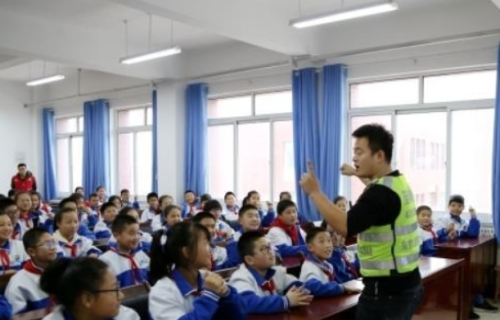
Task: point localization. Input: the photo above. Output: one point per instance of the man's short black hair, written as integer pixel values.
(378, 139)
(21, 165)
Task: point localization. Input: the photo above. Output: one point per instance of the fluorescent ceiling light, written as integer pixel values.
(345, 14)
(151, 55)
(45, 80)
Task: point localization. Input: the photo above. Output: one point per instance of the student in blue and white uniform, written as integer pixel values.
(5, 309)
(184, 292)
(83, 230)
(167, 218)
(125, 197)
(218, 253)
(285, 233)
(231, 209)
(23, 290)
(191, 206)
(145, 238)
(223, 231)
(266, 218)
(430, 236)
(72, 244)
(316, 271)
(126, 260)
(102, 229)
(249, 219)
(8, 206)
(12, 253)
(23, 202)
(264, 287)
(463, 228)
(151, 211)
(84, 287)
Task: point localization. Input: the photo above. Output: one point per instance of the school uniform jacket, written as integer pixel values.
(102, 230)
(266, 218)
(173, 298)
(190, 210)
(144, 245)
(5, 309)
(59, 313)
(148, 214)
(130, 269)
(464, 228)
(79, 247)
(283, 242)
(429, 237)
(346, 267)
(24, 293)
(19, 231)
(321, 276)
(12, 255)
(230, 213)
(221, 230)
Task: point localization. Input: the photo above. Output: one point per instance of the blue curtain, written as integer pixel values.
(496, 158)
(49, 155)
(196, 138)
(96, 164)
(305, 132)
(334, 82)
(155, 142)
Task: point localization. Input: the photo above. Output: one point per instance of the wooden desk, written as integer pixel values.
(480, 259)
(437, 274)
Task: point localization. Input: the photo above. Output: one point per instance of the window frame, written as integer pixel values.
(69, 135)
(270, 119)
(134, 130)
(420, 107)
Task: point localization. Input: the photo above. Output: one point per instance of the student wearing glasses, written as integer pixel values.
(94, 292)
(23, 291)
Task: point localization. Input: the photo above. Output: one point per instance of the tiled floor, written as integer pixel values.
(489, 316)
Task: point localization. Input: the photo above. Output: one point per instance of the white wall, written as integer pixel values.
(16, 131)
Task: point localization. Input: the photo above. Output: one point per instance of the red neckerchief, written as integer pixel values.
(4, 258)
(291, 231)
(136, 271)
(268, 286)
(16, 231)
(30, 267)
(326, 268)
(72, 247)
(429, 229)
(349, 266)
(27, 219)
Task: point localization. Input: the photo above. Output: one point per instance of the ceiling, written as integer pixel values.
(90, 34)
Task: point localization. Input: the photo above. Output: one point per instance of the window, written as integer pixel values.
(424, 138)
(69, 146)
(135, 150)
(250, 141)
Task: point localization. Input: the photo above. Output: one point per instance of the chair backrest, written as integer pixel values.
(136, 298)
(101, 244)
(146, 227)
(4, 281)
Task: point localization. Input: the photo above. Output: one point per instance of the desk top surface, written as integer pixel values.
(466, 244)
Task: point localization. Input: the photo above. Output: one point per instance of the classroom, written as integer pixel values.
(251, 159)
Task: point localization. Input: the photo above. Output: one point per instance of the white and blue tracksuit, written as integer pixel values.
(130, 269)
(189, 210)
(282, 241)
(148, 214)
(19, 231)
(60, 313)
(5, 309)
(463, 228)
(429, 237)
(12, 255)
(321, 276)
(266, 218)
(79, 247)
(102, 230)
(345, 266)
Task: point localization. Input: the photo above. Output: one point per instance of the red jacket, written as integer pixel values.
(26, 184)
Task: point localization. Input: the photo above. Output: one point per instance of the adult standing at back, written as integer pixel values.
(386, 223)
(24, 180)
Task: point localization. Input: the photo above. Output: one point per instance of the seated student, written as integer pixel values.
(126, 260)
(266, 218)
(223, 231)
(39, 211)
(429, 236)
(203, 200)
(8, 206)
(463, 228)
(82, 230)
(264, 287)
(218, 254)
(23, 203)
(190, 207)
(345, 263)
(230, 210)
(5, 309)
(117, 201)
(80, 191)
(149, 213)
(101, 194)
(285, 195)
(249, 220)
(165, 201)
(316, 270)
(12, 194)
(84, 288)
(23, 290)
(145, 238)
(86, 215)
(12, 253)
(182, 291)
(102, 229)
(73, 245)
(285, 234)
(167, 218)
(126, 202)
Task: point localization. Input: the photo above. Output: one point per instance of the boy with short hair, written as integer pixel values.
(71, 203)
(223, 231)
(463, 228)
(8, 206)
(126, 260)
(190, 207)
(12, 253)
(126, 202)
(23, 290)
(102, 229)
(430, 236)
(153, 206)
(249, 220)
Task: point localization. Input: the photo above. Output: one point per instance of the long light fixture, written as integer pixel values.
(151, 55)
(44, 80)
(369, 9)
